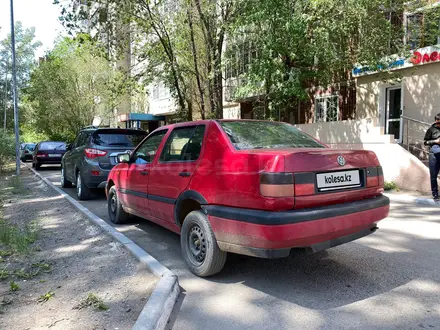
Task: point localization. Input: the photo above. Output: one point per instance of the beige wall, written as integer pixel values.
(347, 132)
(367, 97)
(421, 93)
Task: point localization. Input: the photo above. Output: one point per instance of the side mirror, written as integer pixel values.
(123, 158)
(69, 147)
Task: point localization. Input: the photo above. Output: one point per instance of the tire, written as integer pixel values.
(116, 213)
(33, 165)
(82, 191)
(37, 165)
(64, 182)
(199, 246)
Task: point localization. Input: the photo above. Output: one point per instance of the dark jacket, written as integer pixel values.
(432, 134)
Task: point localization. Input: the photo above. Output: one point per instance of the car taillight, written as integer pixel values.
(26, 151)
(305, 184)
(375, 177)
(94, 153)
(41, 155)
(277, 185)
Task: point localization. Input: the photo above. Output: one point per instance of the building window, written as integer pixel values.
(239, 56)
(160, 92)
(423, 28)
(326, 108)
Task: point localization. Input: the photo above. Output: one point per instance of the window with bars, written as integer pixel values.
(326, 108)
(239, 57)
(423, 28)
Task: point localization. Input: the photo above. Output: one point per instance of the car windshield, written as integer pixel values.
(52, 146)
(122, 139)
(30, 147)
(246, 135)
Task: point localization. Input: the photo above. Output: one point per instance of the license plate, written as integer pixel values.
(338, 180)
(54, 155)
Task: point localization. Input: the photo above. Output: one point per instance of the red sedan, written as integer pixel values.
(249, 187)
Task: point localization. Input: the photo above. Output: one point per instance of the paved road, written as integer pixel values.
(389, 280)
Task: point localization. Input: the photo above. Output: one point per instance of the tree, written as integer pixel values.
(71, 87)
(26, 47)
(298, 44)
(180, 43)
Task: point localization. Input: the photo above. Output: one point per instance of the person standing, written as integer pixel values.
(432, 139)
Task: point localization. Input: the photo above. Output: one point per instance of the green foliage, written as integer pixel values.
(388, 186)
(29, 134)
(25, 62)
(46, 297)
(73, 86)
(293, 45)
(14, 286)
(7, 149)
(92, 301)
(17, 239)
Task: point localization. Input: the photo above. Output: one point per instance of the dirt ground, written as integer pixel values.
(69, 260)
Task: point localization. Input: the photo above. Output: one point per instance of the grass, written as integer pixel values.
(15, 239)
(46, 297)
(4, 274)
(388, 186)
(92, 301)
(14, 286)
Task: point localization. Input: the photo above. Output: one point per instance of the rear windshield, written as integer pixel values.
(30, 146)
(118, 139)
(52, 146)
(246, 135)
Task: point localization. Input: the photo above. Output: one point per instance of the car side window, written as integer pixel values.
(148, 149)
(84, 139)
(77, 140)
(184, 144)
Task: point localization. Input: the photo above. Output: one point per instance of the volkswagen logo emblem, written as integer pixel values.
(341, 160)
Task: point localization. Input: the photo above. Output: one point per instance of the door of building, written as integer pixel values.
(393, 112)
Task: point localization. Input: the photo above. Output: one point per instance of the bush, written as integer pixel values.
(390, 186)
(29, 135)
(7, 149)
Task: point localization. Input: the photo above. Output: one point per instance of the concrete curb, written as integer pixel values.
(157, 310)
(413, 199)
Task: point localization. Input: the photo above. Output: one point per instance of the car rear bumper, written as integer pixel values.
(96, 181)
(273, 234)
(48, 161)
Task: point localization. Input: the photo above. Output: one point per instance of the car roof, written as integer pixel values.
(94, 129)
(207, 121)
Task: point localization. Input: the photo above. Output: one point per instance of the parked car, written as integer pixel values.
(249, 187)
(48, 153)
(90, 158)
(26, 151)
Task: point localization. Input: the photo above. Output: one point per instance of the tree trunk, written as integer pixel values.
(196, 66)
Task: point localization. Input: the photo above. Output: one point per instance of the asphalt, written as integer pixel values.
(388, 280)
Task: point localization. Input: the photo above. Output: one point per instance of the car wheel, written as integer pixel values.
(115, 211)
(199, 246)
(64, 182)
(37, 165)
(82, 191)
(33, 165)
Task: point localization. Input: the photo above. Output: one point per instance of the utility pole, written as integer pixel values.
(6, 101)
(14, 89)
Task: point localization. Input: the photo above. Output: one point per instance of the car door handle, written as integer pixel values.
(145, 173)
(184, 174)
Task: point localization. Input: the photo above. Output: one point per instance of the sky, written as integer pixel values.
(41, 14)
